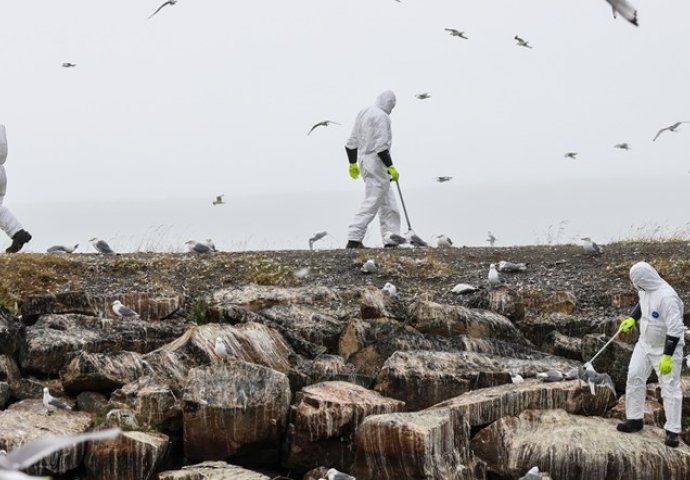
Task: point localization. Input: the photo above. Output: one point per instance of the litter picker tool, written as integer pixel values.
(603, 348)
(402, 201)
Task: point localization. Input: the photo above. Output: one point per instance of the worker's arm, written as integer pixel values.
(629, 322)
(351, 155)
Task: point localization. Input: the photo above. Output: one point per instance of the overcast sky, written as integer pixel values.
(216, 96)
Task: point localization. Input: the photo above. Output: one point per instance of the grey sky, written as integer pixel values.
(214, 96)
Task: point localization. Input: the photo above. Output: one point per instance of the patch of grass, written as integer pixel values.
(676, 271)
(429, 266)
(264, 270)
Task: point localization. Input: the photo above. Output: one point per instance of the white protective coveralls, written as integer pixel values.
(662, 315)
(8, 222)
(371, 134)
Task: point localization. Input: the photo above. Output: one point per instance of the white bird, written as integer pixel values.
(317, 236)
(494, 279)
(333, 474)
(622, 146)
(443, 179)
(461, 288)
(516, 378)
(62, 249)
(491, 239)
(625, 9)
(52, 403)
(325, 123)
(455, 33)
(302, 272)
(443, 242)
(671, 128)
(123, 311)
(423, 96)
(522, 42)
(532, 474)
(197, 247)
(590, 246)
(219, 200)
(28, 454)
(369, 267)
(169, 2)
(69, 65)
(220, 348)
(209, 243)
(550, 376)
(414, 239)
(101, 246)
(390, 289)
(504, 266)
(570, 155)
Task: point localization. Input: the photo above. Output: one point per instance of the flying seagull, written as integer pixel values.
(333, 474)
(325, 123)
(491, 239)
(317, 236)
(52, 403)
(219, 200)
(123, 311)
(672, 128)
(197, 247)
(62, 249)
(570, 155)
(443, 179)
(68, 65)
(423, 96)
(455, 33)
(101, 246)
(625, 9)
(169, 2)
(622, 146)
(590, 246)
(522, 42)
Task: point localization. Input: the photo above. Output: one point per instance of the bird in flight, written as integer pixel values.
(455, 33)
(219, 200)
(622, 146)
(491, 239)
(325, 123)
(521, 42)
(169, 2)
(672, 128)
(625, 9)
(423, 96)
(570, 155)
(68, 65)
(317, 236)
(443, 179)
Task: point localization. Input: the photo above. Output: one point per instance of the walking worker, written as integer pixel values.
(660, 347)
(8, 222)
(368, 151)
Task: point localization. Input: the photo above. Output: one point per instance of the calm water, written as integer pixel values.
(516, 214)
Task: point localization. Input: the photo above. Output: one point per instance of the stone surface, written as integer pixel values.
(11, 330)
(653, 410)
(573, 447)
(259, 297)
(102, 372)
(563, 345)
(4, 394)
(614, 360)
(130, 456)
(153, 402)
(212, 471)
(323, 421)
(308, 323)
(92, 402)
(538, 328)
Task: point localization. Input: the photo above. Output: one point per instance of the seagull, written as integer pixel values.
(622, 146)
(461, 288)
(550, 376)
(491, 239)
(390, 289)
(672, 128)
(516, 378)
(302, 272)
(397, 239)
(317, 236)
(209, 243)
(333, 474)
(69, 65)
(415, 240)
(590, 246)
(504, 266)
(220, 348)
(589, 375)
(532, 474)
(325, 123)
(123, 311)
(423, 96)
(444, 242)
(455, 33)
(522, 42)
(52, 403)
(443, 179)
(570, 155)
(28, 454)
(219, 200)
(169, 2)
(369, 267)
(198, 247)
(494, 279)
(101, 246)
(625, 9)
(62, 249)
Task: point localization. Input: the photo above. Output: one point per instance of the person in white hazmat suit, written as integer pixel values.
(368, 152)
(660, 347)
(8, 222)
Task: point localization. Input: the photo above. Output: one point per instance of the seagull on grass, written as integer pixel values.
(102, 246)
(590, 246)
(325, 123)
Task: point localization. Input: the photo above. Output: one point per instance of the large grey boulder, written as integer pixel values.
(153, 403)
(102, 371)
(11, 330)
(130, 456)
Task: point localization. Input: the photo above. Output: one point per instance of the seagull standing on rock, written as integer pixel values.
(220, 348)
(444, 242)
(590, 246)
(333, 474)
(369, 267)
(494, 279)
(123, 311)
(52, 403)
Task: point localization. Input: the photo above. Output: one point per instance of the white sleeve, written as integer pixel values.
(382, 134)
(3, 145)
(672, 312)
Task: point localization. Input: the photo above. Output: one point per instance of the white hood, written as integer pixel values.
(3, 145)
(386, 101)
(644, 277)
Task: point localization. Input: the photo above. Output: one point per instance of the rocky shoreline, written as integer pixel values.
(324, 369)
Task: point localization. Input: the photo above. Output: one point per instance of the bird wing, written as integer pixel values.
(126, 311)
(30, 453)
(201, 248)
(312, 128)
(660, 132)
(626, 9)
(103, 247)
(58, 404)
(159, 8)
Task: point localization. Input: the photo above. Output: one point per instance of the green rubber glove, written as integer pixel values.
(665, 365)
(354, 171)
(393, 173)
(627, 324)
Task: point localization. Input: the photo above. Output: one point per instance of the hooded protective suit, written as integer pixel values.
(8, 222)
(661, 323)
(371, 134)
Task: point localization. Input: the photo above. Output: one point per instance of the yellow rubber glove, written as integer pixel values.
(354, 171)
(627, 324)
(393, 173)
(665, 365)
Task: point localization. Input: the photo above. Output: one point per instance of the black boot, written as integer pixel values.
(671, 439)
(630, 426)
(354, 244)
(18, 241)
